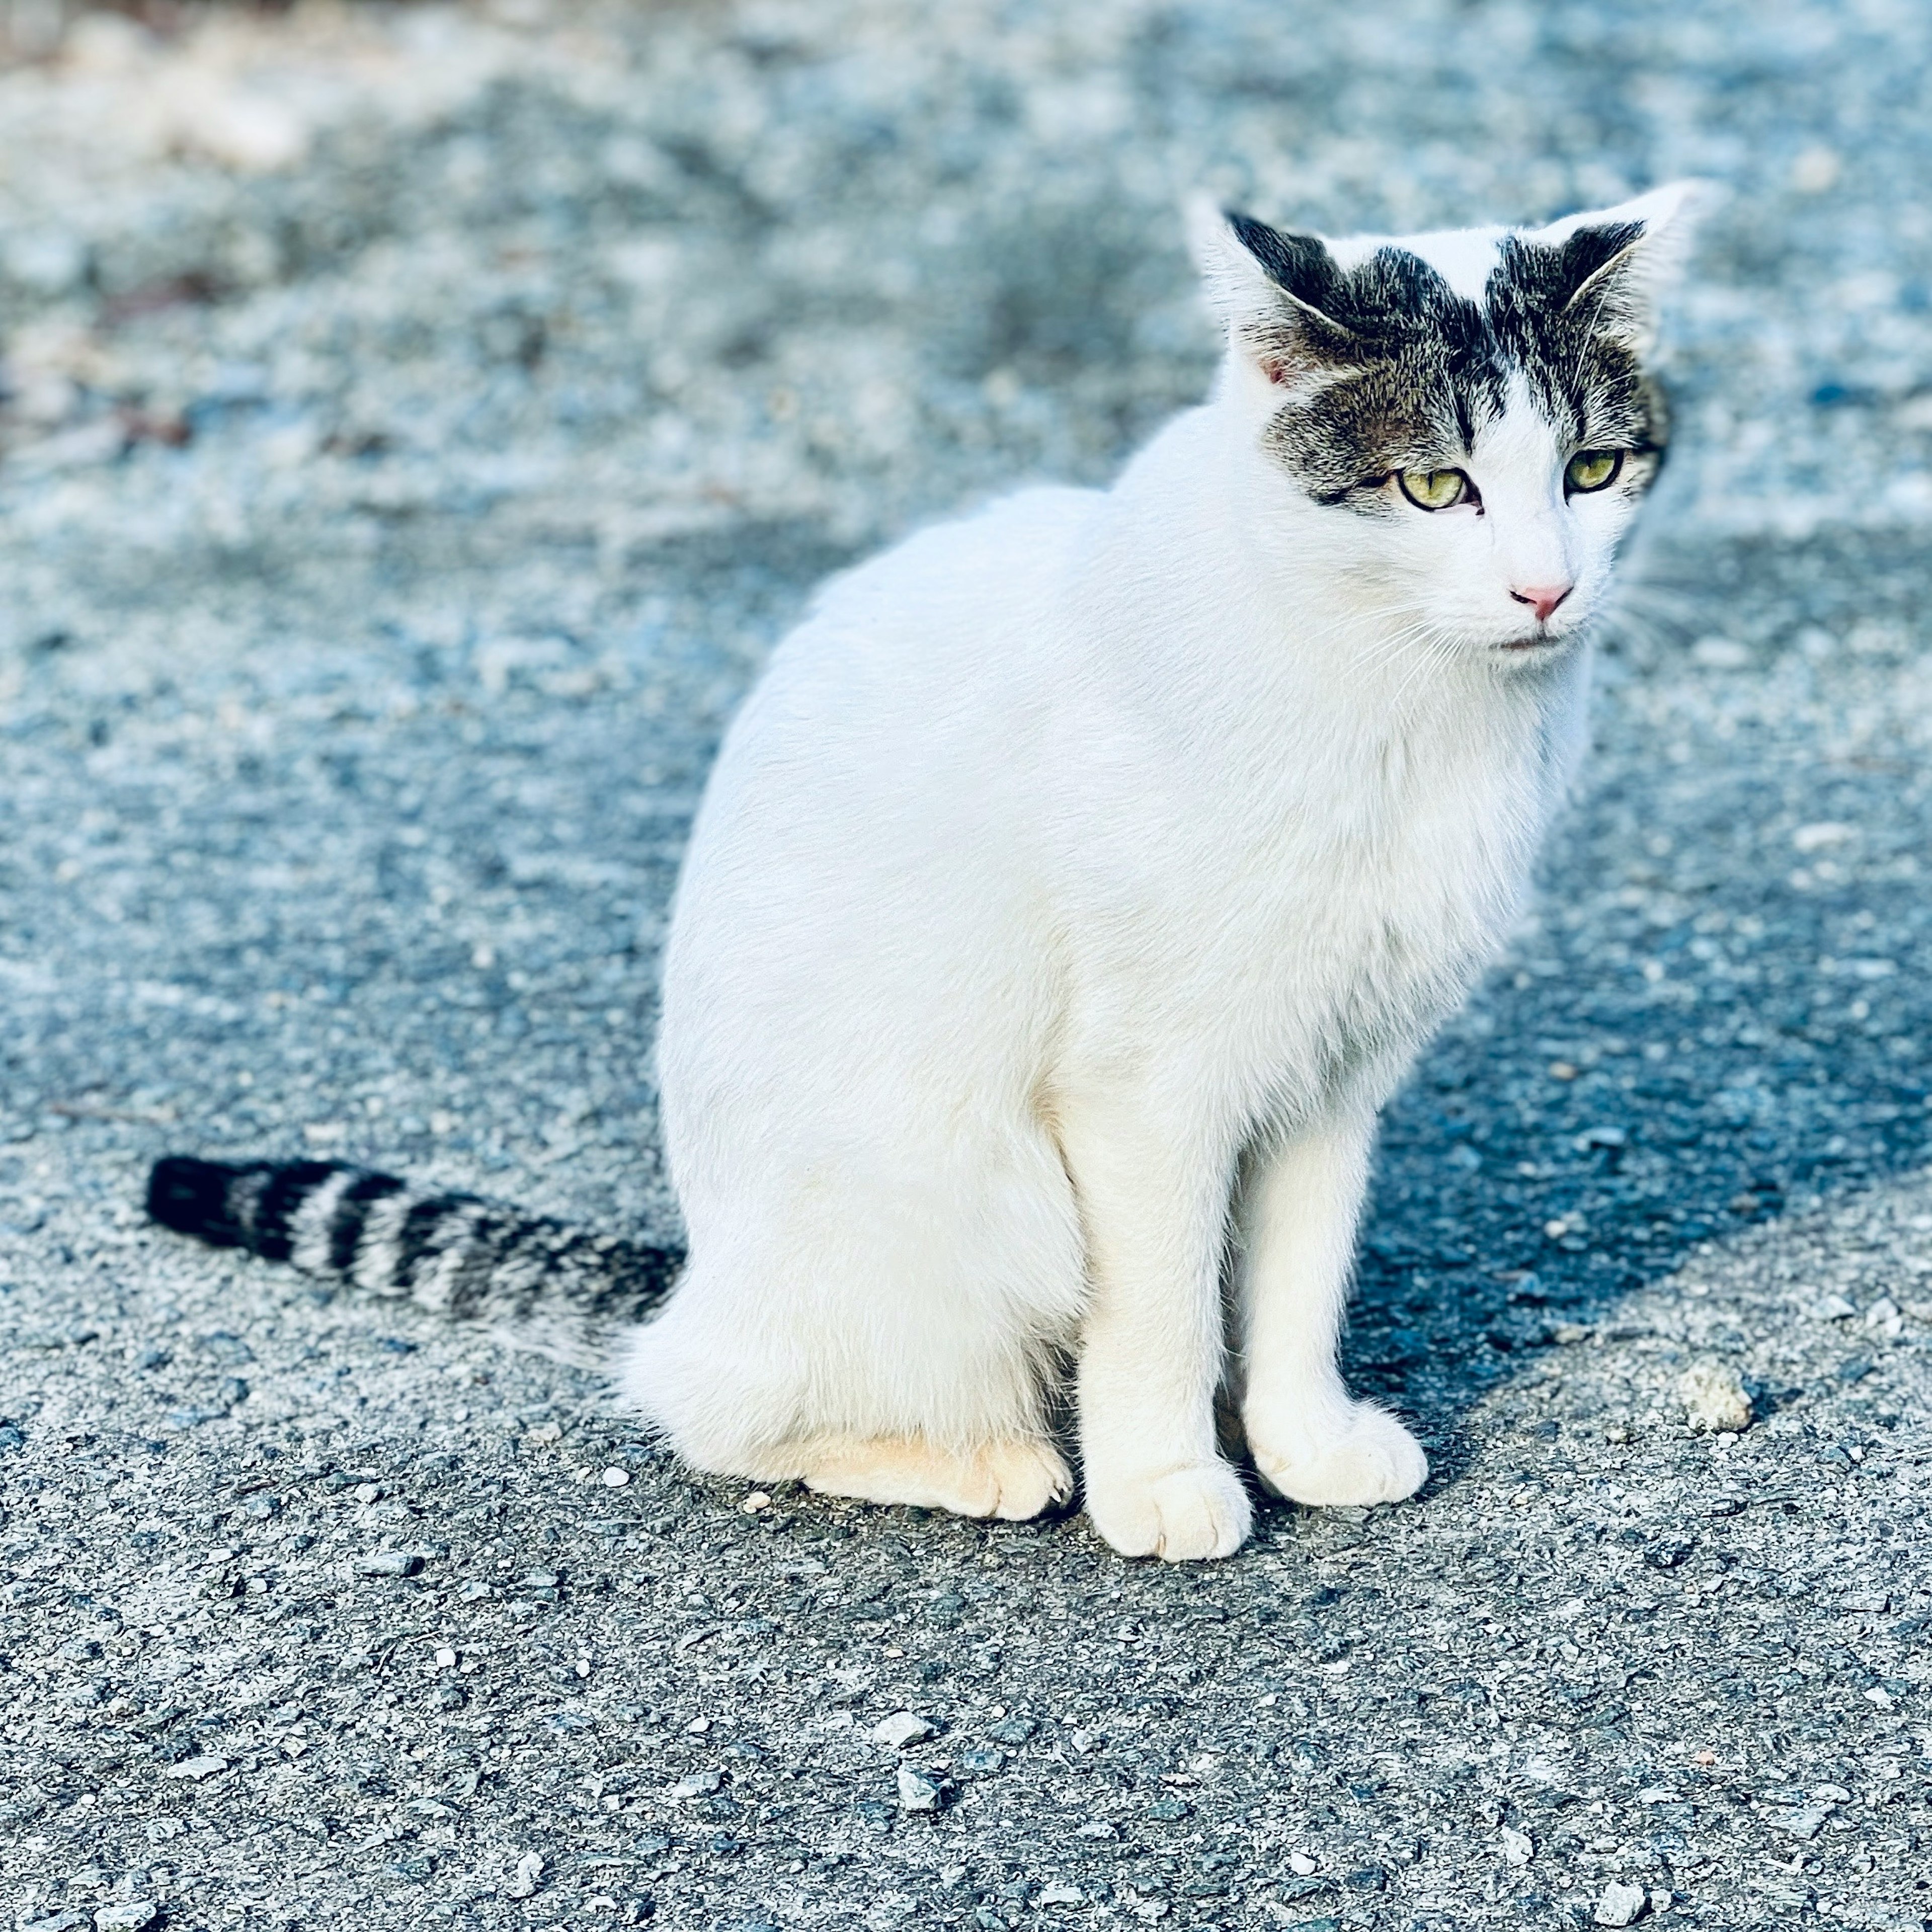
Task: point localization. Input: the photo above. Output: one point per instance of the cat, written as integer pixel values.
(1073, 889)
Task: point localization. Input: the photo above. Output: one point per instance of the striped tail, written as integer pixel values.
(452, 1253)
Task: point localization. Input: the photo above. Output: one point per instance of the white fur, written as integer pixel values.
(1075, 886)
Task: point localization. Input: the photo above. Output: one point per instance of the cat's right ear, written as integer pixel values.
(1268, 287)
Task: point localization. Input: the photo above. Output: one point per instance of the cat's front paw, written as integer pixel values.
(1186, 1515)
(1369, 1458)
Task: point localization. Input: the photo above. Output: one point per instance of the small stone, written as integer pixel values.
(1518, 1847)
(523, 1883)
(196, 1768)
(616, 1479)
(918, 1790)
(1011, 1730)
(698, 1726)
(1303, 1865)
(1169, 1810)
(699, 1784)
(1832, 1308)
(388, 1563)
(368, 1492)
(445, 1660)
(756, 1501)
(901, 1729)
(134, 1916)
(1714, 1398)
(1057, 1894)
(1096, 1827)
(979, 1761)
(1621, 1904)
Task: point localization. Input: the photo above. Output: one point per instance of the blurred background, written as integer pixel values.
(280, 276)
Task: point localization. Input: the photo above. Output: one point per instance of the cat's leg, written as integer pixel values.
(1311, 1440)
(1154, 1207)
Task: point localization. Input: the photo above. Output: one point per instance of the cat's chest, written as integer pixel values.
(1325, 910)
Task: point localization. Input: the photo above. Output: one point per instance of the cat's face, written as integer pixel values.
(1472, 407)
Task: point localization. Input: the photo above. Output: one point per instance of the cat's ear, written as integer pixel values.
(1618, 264)
(1268, 286)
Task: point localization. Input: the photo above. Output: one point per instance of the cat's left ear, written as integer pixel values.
(1618, 264)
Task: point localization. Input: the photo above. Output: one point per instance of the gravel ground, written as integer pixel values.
(417, 426)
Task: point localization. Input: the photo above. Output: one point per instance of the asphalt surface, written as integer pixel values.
(417, 427)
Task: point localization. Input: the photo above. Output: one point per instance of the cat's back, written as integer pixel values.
(893, 727)
(976, 579)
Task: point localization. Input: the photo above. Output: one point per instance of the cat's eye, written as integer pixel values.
(1435, 489)
(1593, 469)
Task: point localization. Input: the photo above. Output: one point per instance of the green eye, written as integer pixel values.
(1594, 469)
(1433, 489)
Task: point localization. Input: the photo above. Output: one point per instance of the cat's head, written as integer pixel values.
(1475, 405)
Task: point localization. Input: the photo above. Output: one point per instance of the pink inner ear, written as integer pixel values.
(1274, 368)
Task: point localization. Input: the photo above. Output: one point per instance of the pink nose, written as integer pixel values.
(1543, 598)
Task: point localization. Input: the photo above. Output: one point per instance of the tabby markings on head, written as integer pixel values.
(1389, 368)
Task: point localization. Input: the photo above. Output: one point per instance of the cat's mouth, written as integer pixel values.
(1542, 641)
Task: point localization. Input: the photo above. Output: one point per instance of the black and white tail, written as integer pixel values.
(453, 1253)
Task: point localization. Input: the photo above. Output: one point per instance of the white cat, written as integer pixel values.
(1080, 879)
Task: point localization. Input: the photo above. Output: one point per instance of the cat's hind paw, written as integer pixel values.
(1370, 1459)
(1012, 1480)
(1187, 1516)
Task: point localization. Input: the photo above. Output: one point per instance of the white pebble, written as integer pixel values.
(1621, 1904)
(616, 1479)
(135, 1916)
(901, 1729)
(1714, 1398)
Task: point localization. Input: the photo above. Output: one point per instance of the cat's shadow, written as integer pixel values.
(1575, 1137)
